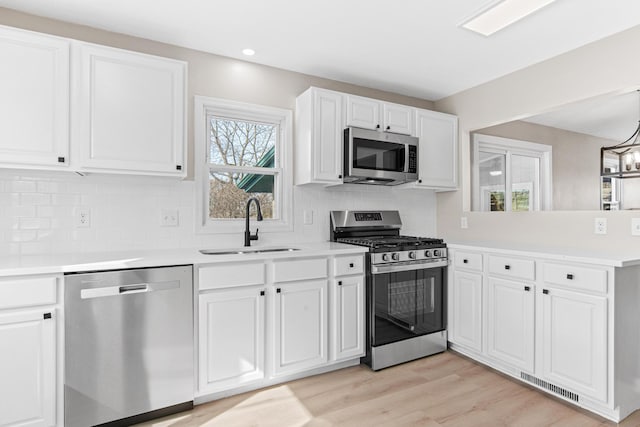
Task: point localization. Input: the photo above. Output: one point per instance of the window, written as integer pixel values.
(510, 175)
(243, 151)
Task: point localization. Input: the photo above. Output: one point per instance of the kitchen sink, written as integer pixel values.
(245, 251)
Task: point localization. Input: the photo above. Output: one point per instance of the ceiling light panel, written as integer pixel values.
(502, 14)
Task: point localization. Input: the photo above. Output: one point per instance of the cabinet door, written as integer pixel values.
(438, 149)
(398, 118)
(34, 105)
(129, 112)
(510, 322)
(231, 338)
(348, 318)
(300, 326)
(363, 112)
(327, 137)
(574, 341)
(467, 310)
(28, 369)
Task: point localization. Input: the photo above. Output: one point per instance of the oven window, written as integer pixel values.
(378, 155)
(407, 304)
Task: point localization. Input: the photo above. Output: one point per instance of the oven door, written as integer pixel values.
(406, 304)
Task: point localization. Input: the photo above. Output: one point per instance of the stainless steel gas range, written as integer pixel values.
(405, 287)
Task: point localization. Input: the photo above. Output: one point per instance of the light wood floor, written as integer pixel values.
(442, 390)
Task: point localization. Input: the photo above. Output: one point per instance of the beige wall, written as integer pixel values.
(603, 67)
(210, 75)
(575, 161)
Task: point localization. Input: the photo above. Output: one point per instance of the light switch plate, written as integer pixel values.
(635, 226)
(600, 225)
(463, 222)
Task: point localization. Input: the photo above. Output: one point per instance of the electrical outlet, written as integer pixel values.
(169, 217)
(83, 217)
(463, 222)
(635, 226)
(600, 225)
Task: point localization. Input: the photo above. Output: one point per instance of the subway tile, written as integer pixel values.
(23, 236)
(34, 223)
(35, 199)
(21, 186)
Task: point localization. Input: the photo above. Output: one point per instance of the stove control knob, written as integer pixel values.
(412, 255)
(427, 254)
(385, 257)
(436, 252)
(395, 256)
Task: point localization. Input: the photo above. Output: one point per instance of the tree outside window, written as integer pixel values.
(242, 164)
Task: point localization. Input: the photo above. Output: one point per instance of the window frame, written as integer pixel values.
(509, 147)
(282, 171)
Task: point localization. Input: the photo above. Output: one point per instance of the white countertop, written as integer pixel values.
(607, 256)
(66, 263)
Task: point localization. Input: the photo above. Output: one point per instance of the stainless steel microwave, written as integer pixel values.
(379, 158)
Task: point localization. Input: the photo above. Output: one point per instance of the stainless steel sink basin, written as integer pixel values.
(245, 251)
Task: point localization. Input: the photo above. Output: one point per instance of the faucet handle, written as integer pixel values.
(254, 236)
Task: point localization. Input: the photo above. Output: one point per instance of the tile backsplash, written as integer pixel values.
(39, 212)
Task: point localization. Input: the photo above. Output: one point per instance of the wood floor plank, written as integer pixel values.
(444, 390)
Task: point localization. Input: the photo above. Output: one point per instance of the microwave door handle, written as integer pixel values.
(406, 159)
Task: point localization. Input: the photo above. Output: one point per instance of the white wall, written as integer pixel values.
(603, 67)
(37, 210)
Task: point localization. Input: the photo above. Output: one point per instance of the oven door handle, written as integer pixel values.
(382, 269)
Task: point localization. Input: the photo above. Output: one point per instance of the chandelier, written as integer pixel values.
(622, 160)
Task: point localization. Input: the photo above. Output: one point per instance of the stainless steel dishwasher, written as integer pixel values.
(128, 345)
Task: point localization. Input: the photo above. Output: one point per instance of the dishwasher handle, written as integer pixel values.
(134, 288)
(139, 287)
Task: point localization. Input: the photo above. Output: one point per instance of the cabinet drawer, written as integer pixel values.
(512, 267)
(468, 260)
(24, 292)
(299, 269)
(349, 265)
(585, 278)
(231, 275)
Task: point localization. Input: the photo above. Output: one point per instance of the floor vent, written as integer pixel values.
(551, 387)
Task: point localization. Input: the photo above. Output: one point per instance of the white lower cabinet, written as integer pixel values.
(266, 321)
(574, 341)
(348, 318)
(466, 327)
(300, 326)
(569, 328)
(231, 337)
(28, 368)
(510, 322)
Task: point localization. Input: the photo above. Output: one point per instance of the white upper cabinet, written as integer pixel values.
(319, 129)
(129, 112)
(370, 113)
(34, 105)
(438, 150)
(322, 115)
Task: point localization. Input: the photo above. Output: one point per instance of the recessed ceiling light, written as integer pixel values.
(495, 173)
(501, 14)
(249, 52)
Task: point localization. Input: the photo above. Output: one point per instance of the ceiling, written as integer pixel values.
(612, 117)
(411, 47)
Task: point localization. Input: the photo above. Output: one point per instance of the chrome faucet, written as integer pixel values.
(248, 237)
